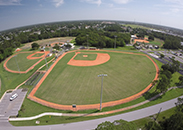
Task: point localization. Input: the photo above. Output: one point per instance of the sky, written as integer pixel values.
(18, 13)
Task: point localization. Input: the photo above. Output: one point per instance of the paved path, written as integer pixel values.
(92, 124)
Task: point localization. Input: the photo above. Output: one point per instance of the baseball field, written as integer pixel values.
(21, 60)
(128, 74)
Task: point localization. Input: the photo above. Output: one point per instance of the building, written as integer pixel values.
(181, 43)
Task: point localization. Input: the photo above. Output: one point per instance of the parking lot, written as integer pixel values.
(10, 108)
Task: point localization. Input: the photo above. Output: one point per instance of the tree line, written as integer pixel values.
(102, 39)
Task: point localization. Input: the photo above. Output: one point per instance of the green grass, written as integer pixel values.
(89, 56)
(137, 26)
(157, 42)
(11, 80)
(73, 41)
(80, 85)
(22, 62)
(38, 54)
(165, 114)
(126, 48)
(31, 108)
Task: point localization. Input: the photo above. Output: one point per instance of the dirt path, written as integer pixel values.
(91, 106)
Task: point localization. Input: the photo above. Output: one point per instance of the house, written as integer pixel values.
(50, 54)
(37, 32)
(133, 37)
(181, 43)
(138, 47)
(151, 47)
(156, 47)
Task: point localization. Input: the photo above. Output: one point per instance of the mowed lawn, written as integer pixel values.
(22, 62)
(127, 75)
(85, 56)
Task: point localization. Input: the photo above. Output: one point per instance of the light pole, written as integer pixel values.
(45, 60)
(87, 40)
(17, 63)
(115, 42)
(101, 75)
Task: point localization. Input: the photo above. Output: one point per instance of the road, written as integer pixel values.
(92, 124)
(166, 60)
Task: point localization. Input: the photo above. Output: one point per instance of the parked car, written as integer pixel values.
(13, 96)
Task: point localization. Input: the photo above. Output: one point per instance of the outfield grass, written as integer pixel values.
(127, 75)
(22, 61)
(156, 41)
(89, 56)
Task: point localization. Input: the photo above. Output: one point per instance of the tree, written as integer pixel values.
(67, 46)
(175, 65)
(1, 57)
(167, 73)
(151, 37)
(154, 82)
(57, 47)
(152, 125)
(116, 125)
(179, 104)
(181, 79)
(174, 122)
(162, 56)
(35, 46)
(165, 67)
(105, 126)
(163, 84)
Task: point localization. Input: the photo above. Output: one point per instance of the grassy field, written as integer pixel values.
(89, 56)
(137, 26)
(31, 108)
(11, 80)
(22, 62)
(127, 75)
(157, 42)
(45, 42)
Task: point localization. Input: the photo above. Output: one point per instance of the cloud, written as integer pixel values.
(58, 3)
(98, 2)
(179, 2)
(10, 2)
(121, 1)
(176, 6)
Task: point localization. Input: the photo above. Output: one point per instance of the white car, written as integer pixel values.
(13, 96)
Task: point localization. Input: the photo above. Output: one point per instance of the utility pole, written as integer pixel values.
(45, 60)
(101, 75)
(115, 43)
(17, 63)
(87, 40)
